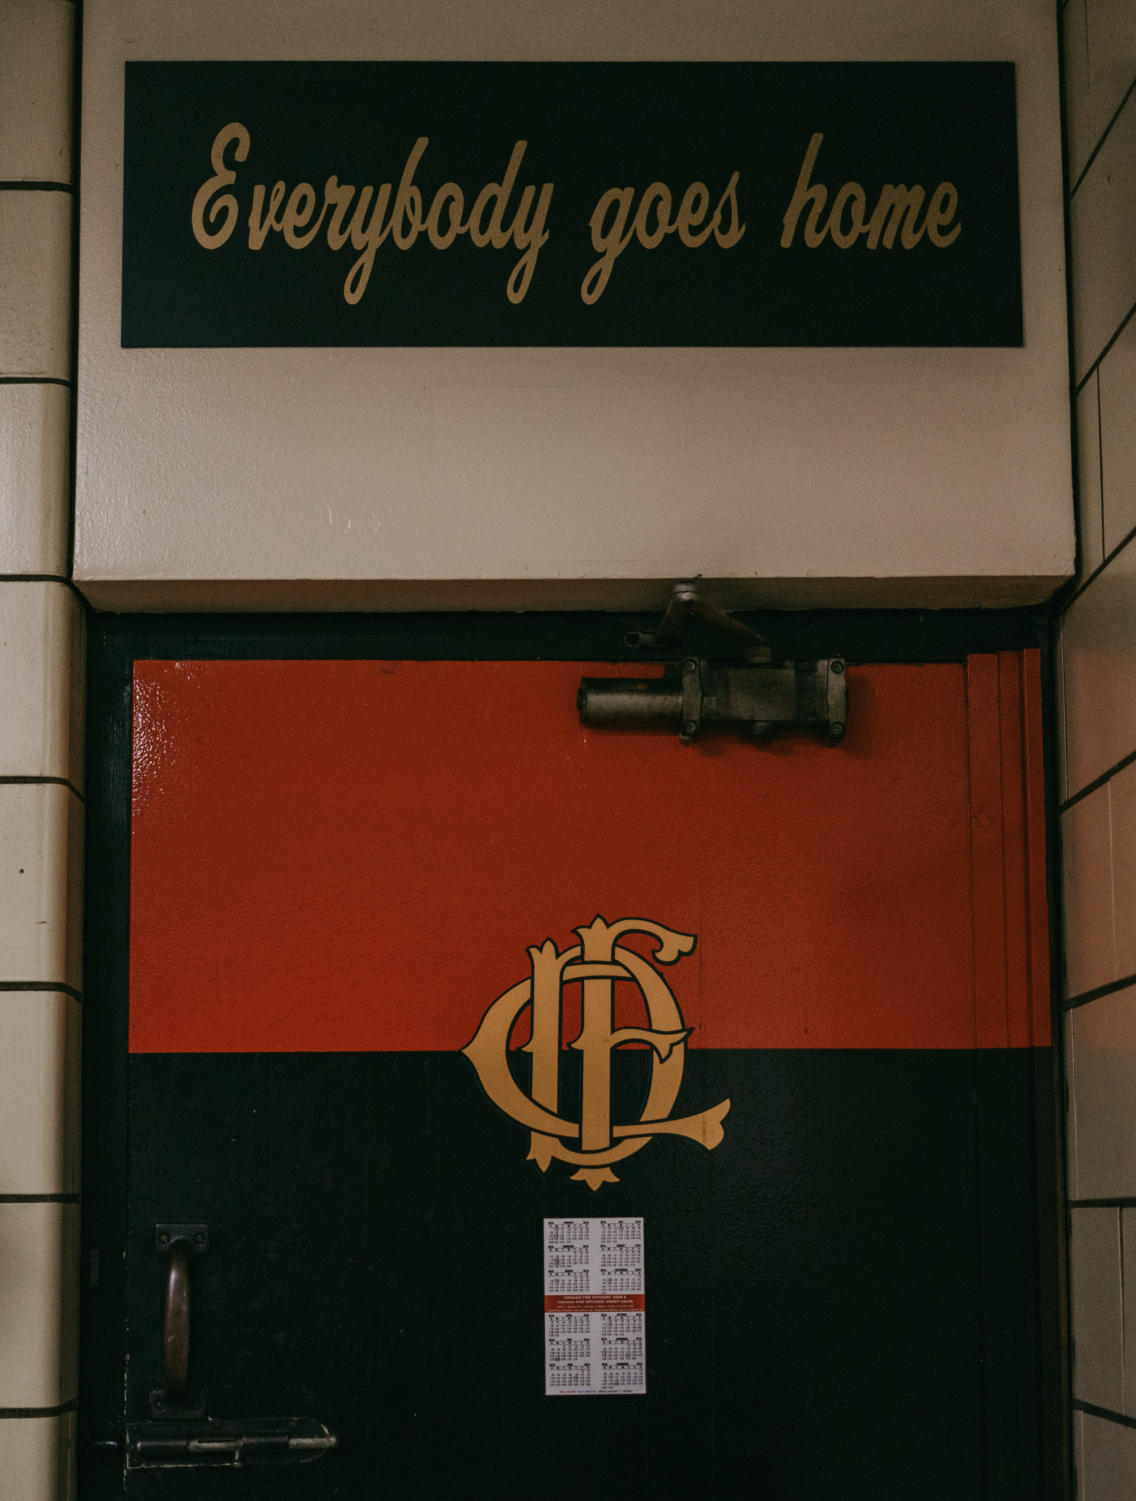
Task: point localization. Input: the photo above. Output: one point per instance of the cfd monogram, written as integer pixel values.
(597, 962)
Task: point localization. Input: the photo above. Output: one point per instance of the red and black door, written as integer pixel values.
(393, 961)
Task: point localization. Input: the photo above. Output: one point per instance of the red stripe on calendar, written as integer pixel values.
(594, 1303)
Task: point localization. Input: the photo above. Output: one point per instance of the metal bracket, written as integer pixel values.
(687, 606)
(165, 1410)
(216, 1442)
(758, 697)
(196, 1234)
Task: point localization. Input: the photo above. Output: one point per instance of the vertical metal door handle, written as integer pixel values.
(175, 1330)
(180, 1245)
(180, 1432)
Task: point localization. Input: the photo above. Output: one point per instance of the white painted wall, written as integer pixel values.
(537, 478)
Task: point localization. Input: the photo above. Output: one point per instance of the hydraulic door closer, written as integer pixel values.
(755, 695)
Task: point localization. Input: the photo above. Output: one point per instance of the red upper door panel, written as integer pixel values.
(356, 856)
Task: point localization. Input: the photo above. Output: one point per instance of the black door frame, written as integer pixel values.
(116, 642)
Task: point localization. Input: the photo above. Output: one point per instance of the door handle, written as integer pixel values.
(175, 1326)
(181, 1244)
(180, 1434)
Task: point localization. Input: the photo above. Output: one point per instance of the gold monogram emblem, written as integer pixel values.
(598, 961)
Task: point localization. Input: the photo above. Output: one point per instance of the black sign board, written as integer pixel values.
(274, 204)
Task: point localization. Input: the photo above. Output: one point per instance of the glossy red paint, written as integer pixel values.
(355, 856)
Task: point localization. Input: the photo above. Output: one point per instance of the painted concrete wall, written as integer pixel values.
(592, 478)
(1098, 731)
(41, 804)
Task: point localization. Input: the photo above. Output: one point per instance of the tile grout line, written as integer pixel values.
(70, 1198)
(29, 781)
(52, 987)
(33, 578)
(1080, 385)
(1098, 992)
(1106, 1413)
(45, 578)
(31, 185)
(39, 1412)
(1097, 783)
(1102, 138)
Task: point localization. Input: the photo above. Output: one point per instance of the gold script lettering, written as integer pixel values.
(366, 217)
(896, 212)
(223, 177)
(613, 226)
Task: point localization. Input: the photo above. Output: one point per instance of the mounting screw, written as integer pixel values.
(690, 665)
(163, 1239)
(689, 730)
(199, 1238)
(836, 730)
(160, 1403)
(837, 665)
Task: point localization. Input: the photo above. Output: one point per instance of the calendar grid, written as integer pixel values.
(594, 1307)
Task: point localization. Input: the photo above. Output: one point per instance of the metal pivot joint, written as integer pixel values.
(755, 696)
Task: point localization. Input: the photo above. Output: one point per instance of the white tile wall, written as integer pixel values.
(1097, 732)
(1103, 231)
(1103, 1045)
(39, 1092)
(1118, 437)
(1089, 507)
(1099, 38)
(35, 501)
(1061, 768)
(35, 281)
(1094, 1258)
(1086, 846)
(1078, 1450)
(1079, 126)
(37, 1457)
(1122, 807)
(40, 863)
(1071, 1145)
(41, 655)
(35, 90)
(38, 1304)
(1112, 55)
(1098, 642)
(1128, 1278)
(1108, 1461)
(40, 648)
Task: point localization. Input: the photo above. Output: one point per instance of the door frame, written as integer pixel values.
(116, 642)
